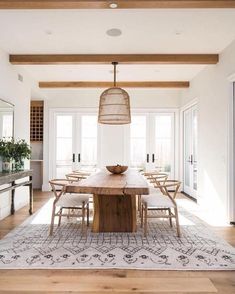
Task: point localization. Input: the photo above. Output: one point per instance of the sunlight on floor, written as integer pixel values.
(43, 216)
(210, 217)
(185, 221)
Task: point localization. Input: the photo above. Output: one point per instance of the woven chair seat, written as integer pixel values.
(157, 200)
(72, 200)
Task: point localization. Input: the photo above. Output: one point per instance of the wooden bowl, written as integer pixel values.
(117, 169)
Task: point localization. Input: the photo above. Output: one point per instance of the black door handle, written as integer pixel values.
(190, 159)
(73, 157)
(153, 158)
(79, 157)
(147, 158)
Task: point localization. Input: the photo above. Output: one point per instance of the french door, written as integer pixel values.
(152, 142)
(190, 151)
(75, 142)
(148, 143)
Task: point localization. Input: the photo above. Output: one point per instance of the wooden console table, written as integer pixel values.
(114, 199)
(10, 178)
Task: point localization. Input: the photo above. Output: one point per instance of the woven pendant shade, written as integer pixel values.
(114, 108)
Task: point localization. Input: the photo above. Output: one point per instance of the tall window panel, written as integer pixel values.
(138, 141)
(64, 144)
(89, 141)
(164, 140)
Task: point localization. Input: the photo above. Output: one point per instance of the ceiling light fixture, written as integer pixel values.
(113, 5)
(48, 32)
(112, 71)
(114, 32)
(178, 33)
(114, 107)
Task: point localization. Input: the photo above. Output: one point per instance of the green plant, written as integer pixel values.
(14, 149)
(6, 149)
(21, 150)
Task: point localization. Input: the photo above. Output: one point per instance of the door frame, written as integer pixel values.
(188, 105)
(189, 190)
(231, 154)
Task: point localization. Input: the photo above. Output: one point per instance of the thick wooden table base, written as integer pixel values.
(114, 199)
(114, 213)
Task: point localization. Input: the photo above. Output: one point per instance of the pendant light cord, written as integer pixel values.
(114, 73)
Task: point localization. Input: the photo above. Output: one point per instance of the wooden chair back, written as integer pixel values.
(158, 179)
(169, 186)
(58, 186)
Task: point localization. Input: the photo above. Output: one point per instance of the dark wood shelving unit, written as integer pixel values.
(36, 121)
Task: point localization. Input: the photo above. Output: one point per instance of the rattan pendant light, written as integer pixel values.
(114, 108)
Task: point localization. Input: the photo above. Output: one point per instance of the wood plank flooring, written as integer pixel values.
(111, 281)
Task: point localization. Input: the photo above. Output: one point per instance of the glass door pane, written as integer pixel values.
(163, 152)
(64, 145)
(190, 151)
(138, 141)
(88, 139)
(187, 150)
(194, 158)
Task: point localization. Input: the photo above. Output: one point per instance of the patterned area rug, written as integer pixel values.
(30, 247)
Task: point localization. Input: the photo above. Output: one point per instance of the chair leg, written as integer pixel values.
(145, 219)
(170, 218)
(141, 215)
(139, 203)
(61, 211)
(83, 215)
(177, 222)
(87, 214)
(52, 220)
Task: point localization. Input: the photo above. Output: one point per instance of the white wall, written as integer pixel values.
(112, 137)
(212, 89)
(17, 93)
(90, 98)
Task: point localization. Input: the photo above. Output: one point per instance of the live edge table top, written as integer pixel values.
(105, 183)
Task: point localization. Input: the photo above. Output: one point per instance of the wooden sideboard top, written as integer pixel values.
(6, 178)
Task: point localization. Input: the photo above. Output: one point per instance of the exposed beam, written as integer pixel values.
(121, 4)
(142, 84)
(109, 58)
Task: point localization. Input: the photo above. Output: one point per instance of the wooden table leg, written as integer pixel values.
(31, 195)
(13, 199)
(114, 213)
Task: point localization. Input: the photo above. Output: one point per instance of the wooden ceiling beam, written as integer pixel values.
(121, 4)
(109, 58)
(88, 84)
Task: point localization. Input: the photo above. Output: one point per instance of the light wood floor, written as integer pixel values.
(109, 281)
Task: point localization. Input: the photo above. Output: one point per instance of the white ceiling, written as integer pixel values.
(105, 72)
(143, 31)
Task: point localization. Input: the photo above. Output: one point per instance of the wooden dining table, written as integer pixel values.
(114, 198)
